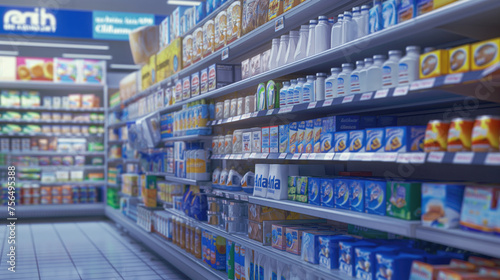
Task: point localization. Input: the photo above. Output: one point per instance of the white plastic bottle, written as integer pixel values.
(331, 22)
(310, 39)
(322, 35)
(356, 17)
(292, 46)
(408, 66)
(300, 52)
(320, 86)
(390, 70)
(343, 80)
(336, 36)
(363, 26)
(362, 74)
(291, 92)
(349, 28)
(355, 82)
(284, 94)
(309, 90)
(274, 53)
(331, 83)
(280, 58)
(374, 73)
(297, 92)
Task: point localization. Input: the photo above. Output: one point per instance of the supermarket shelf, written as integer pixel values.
(127, 195)
(114, 186)
(41, 134)
(50, 86)
(60, 168)
(189, 265)
(123, 160)
(171, 178)
(187, 138)
(165, 203)
(56, 211)
(467, 240)
(290, 259)
(387, 224)
(50, 122)
(52, 153)
(50, 109)
(243, 196)
(460, 158)
(118, 124)
(72, 183)
(116, 142)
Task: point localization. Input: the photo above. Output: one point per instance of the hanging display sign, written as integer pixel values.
(117, 26)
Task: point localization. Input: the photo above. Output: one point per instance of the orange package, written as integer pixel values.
(460, 275)
(436, 136)
(485, 134)
(460, 135)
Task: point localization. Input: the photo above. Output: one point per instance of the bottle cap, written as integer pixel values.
(293, 81)
(284, 37)
(313, 21)
(276, 40)
(347, 14)
(347, 65)
(368, 60)
(322, 18)
(395, 52)
(321, 75)
(379, 56)
(294, 33)
(286, 83)
(310, 77)
(413, 49)
(360, 63)
(355, 9)
(365, 7)
(301, 79)
(335, 70)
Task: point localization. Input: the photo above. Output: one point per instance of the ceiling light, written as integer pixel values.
(15, 53)
(183, 3)
(54, 45)
(88, 56)
(125, 66)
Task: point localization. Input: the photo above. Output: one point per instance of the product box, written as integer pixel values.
(347, 255)
(485, 54)
(164, 29)
(256, 65)
(195, 84)
(10, 98)
(375, 140)
(441, 205)
(366, 261)
(145, 77)
(433, 64)
(294, 239)
(66, 70)
(302, 189)
(404, 138)
(357, 141)
(204, 80)
(390, 13)
(175, 22)
(265, 139)
(208, 38)
(375, 197)
(400, 265)
(477, 208)
(342, 193)
(245, 69)
(329, 250)
(275, 9)
(30, 99)
(269, 233)
(293, 182)
(274, 144)
(93, 71)
(187, 50)
(357, 195)
(314, 191)
(186, 88)
(301, 131)
(283, 138)
(460, 59)
(197, 45)
(257, 141)
(293, 137)
(233, 31)
(311, 245)
(323, 134)
(36, 69)
(246, 139)
(249, 15)
(375, 18)
(341, 141)
(328, 193)
(220, 75)
(308, 142)
(424, 6)
(259, 214)
(404, 200)
(8, 71)
(407, 10)
(220, 30)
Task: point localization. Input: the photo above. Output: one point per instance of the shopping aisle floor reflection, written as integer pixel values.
(80, 250)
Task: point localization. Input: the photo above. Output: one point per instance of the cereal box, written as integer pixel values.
(404, 138)
(283, 138)
(293, 127)
(366, 261)
(274, 143)
(485, 54)
(329, 250)
(208, 38)
(460, 59)
(204, 81)
(301, 131)
(233, 31)
(65, 70)
(341, 141)
(327, 193)
(220, 30)
(375, 202)
(197, 45)
(357, 195)
(357, 141)
(314, 191)
(322, 143)
(375, 138)
(342, 193)
(441, 205)
(275, 9)
(311, 245)
(187, 52)
(433, 64)
(477, 207)
(404, 200)
(294, 239)
(195, 84)
(309, 137)
(302, 185)
(292, 186)
(265, 139)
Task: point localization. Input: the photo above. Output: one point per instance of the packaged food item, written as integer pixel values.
(75, 100)
(357, 141)
(485, 134)
(460, 135)
(375, 139)
(262, 12)
(274, 143)
(294, 239)
(261, 97)
(329, 253)
(35, 68)
(261, 180)
(311, 245)
(399, 266)
(477, 206)
(357, 195)
(283, 138)
(436, 136)
(195, 84)
(256, 140)
(197, 45)
(327, 193)
(265, 139)
(341, 141)
(9, 67)
(441, 205)
(233, 26)
(93, 71)
(144, 42)
(275, 9)
(208, 38)
(203, 80)
(433, 64)
(302, 189)
(485, 54)
(249, 15)
(404, 139)
(293, 138)
(375, 198)
(404, 200)
(314, 191)
(366, 261)
(256, 66)
(187, 50)
(220, 30)
(323, 135)
(301, 131)
(460, 59)
(406, 11)
(292, 187)
(245, 69)
(30, 99)
(348, 253)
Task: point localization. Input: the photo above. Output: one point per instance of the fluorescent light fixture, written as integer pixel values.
(54, 45)
(15, 53)
(87, 56)
(183, 3)
(125, 66)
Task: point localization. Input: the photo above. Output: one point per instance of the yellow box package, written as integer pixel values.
(485, 54)
(433, 64)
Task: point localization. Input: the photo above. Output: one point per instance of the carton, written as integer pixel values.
(9, 70)
(433, 64)
(342, 193)
(302, 192)
(357, 139)
(407, 10)
(404, 138)
(441, 205)
(274, 144)
(204, 80)
(292, 186)
(327, 193)
(375, 140)
(164, 29)
(294, 239)
(341, 141)
(275, 9)
(36, 69)
(301, 131)
(274, 230)
(399, 266)
(293, 128)
(314, 191)
(477, 207)
(144, 42)
(440, 3)
(357, 195)
(175, 22)
(195, 84)
(220, 30)
(208, 38)
(265, 139)
(318, 138)
(197, 45)
(233, 31)
(311, 245)
(366, 261)
(187, 51)
(308, 142)
(186, 88)
(347, 255)
(375, 197)
(485, 54)
(283, 138)
(390, 13)
(460, 59)
(404, 200)
(329, 250)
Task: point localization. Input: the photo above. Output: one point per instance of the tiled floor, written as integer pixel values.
(80, 250)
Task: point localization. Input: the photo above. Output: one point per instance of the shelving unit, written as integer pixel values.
(41, 134)
(62, 168)
(72, 183)
(76, 110)
(188, 138)
(51, 122)
(52, 153)
(174, 179)
(60, 210)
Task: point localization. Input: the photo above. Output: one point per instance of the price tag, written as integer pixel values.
(453, 78)
(237, 118)
(239, 156)
(296, 156)
(304, 156)
(225, 53)
(312, 156)
(285, 110)
(227, 156)
(366, 96)
(403, 158)
(270, 112)
(463, 158)
(390, 157)
(245, 116)
(492, 159)
(344, 156)
(237, 197)
(255, 114)
(347, 99)
(436, 157)
(282, 156)
(246, 156)
(401, 91)
(264, 155)
(279, 24)
(358, 156)
(422, 84)
(312, 105)
(378, 157)
(219, 122)
(244, 197)
(329, 156)
(328, 102)
(253, 155)
(227, 195)
(381, 93)
(417, 158)
(230, 119)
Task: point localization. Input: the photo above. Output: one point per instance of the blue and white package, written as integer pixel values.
(329, 250)
(261, 177)
(314, 191)
(441, 205)
(366, 261)
(375, 197)
(342, 193)
(357, 141)
(200, 12)
(327, 193)
(311, 245)
(356, 195)
(375, 17)
(347, 255)
(390, 13)
(407, 10)
(375, 140)
(398, 265)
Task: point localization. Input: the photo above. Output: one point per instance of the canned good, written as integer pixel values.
(485, 134)
(227, 108)
(219, 110)
(228, 144)
(436, 136)
(460, 134)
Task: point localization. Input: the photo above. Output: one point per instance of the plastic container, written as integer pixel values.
(331, 83)
(408, 66)
(228, 144)
(356, 17)
(227, 108)
(291, 90)
(274, 53)
(362, 24)
(322, 35)
(241, 106)
(349, 28)
(234, 107)
(284, 93)
(320, 86)
(355, 81)
(301, 50)
(249, 104)
(343, 80)
(310, 38)
(309, 90)
(336, 34)
(390, 70)
(374, 73)
(298, 90)
(281, 56)
(362, 74)
(292, 46)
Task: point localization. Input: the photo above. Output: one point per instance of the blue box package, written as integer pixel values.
(375, 197)
(283, 138)
(375, 17)
(390, 13)
(399, 265)
(407, 10)
(366, 261)
(441, 205)
(375, 140)
(324, 130)
(341, 143)
(327, 193)
(356, 195)
(329, 250)
(357, 139)
(274, 139)
(314, 191)
(301, 131)
(347, 255)
(424, 6)
(404, 138)
(311, 245)
(292, 137)
(200, 12)
(342, 191)
(309, 137)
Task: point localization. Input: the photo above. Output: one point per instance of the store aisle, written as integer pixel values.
(80, 250)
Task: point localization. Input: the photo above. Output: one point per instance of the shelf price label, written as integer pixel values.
(401, 91)
(435, 157)
(245, 116)
(244, 197)
(344, 156)
(328, 102)
(403, 158)
(304, 156)
(366, 96)
(285, 110)
(237, 118)
(239, 156)
(463, 158)
(225, 53)
(237, 196)
(264, 155)
(492, 159)
(269, 112)
(255, 114)
(227, 156)
(347, 99)
(296, 156)
(227, 195)
(219, 122)
(381, 93)
(362, 156)
(453, 78)
(422, 84)
(279, 24)
(312, 156)
(246, 156)
(312, 105)
(282, 156)
(329, 156)
(417, 158)
(253, 155)
(389, 157)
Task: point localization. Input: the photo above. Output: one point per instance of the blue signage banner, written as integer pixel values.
(116, 25)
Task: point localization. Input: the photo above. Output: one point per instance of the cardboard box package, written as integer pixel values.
(144, 42)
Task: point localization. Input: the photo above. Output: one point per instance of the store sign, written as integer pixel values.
(117, 26)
